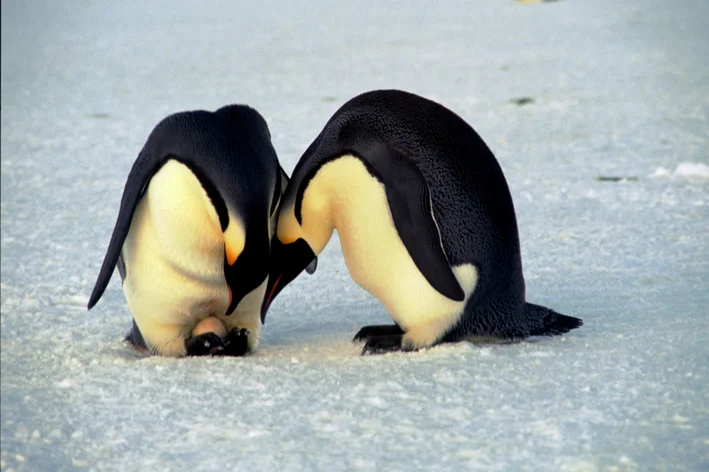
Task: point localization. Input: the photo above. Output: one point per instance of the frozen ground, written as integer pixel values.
(619, 89)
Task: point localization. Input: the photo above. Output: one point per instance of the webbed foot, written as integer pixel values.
(206, 344)
(382, 344)
(236, 343)
(377, 330)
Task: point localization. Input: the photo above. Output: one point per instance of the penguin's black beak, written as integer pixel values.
(286, 262)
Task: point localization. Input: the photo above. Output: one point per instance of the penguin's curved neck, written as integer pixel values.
(337, 197)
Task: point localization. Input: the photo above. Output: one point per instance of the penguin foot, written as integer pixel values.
(377, 330)
(206, 344)
(236, 343)
(382, 344)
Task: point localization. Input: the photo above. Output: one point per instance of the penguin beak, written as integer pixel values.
(287, 261)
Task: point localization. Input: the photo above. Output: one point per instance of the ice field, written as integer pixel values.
(598, 113)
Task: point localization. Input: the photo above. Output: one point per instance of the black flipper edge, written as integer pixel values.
(140, 174)
(410, 204)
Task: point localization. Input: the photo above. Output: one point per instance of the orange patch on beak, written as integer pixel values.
(269, 297)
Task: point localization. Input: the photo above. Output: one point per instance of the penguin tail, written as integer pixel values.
(553, 323)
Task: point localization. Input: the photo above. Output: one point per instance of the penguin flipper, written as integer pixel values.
(410, 203)
(554, 323)
(145, 166)
(281, 184)
(284, 180)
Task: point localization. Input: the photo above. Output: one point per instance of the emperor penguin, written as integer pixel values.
(425, 220)
(192, 237)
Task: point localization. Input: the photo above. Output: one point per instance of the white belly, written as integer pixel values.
(174, 257)
(376, 257)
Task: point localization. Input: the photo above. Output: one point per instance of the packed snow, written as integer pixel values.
(687, 170)
(582, 103)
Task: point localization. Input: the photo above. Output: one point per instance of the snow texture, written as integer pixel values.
(580, 101)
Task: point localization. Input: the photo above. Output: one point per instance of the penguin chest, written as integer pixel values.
(375, 255)
(174, 256)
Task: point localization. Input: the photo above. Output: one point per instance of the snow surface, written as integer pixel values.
(617, 89)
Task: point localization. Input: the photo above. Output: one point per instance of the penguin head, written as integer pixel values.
(229, 156)
(301, 235)
(251, 191)
(246, 241)
(244, 254)
(288, 261)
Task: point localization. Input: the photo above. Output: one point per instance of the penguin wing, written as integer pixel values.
(145, 166)
(281, 184)
(410, 203)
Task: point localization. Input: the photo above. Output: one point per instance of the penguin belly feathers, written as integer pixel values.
(425, 220)
(192, 237)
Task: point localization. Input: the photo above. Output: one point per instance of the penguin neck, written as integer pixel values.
(332, 194)
(317, 222)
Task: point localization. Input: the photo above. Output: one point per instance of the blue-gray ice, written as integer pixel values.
(617, 89)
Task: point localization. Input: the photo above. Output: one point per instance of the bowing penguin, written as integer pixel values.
(425, 220)
(192, 237)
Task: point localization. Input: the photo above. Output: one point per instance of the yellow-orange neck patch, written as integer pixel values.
(234, 239)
